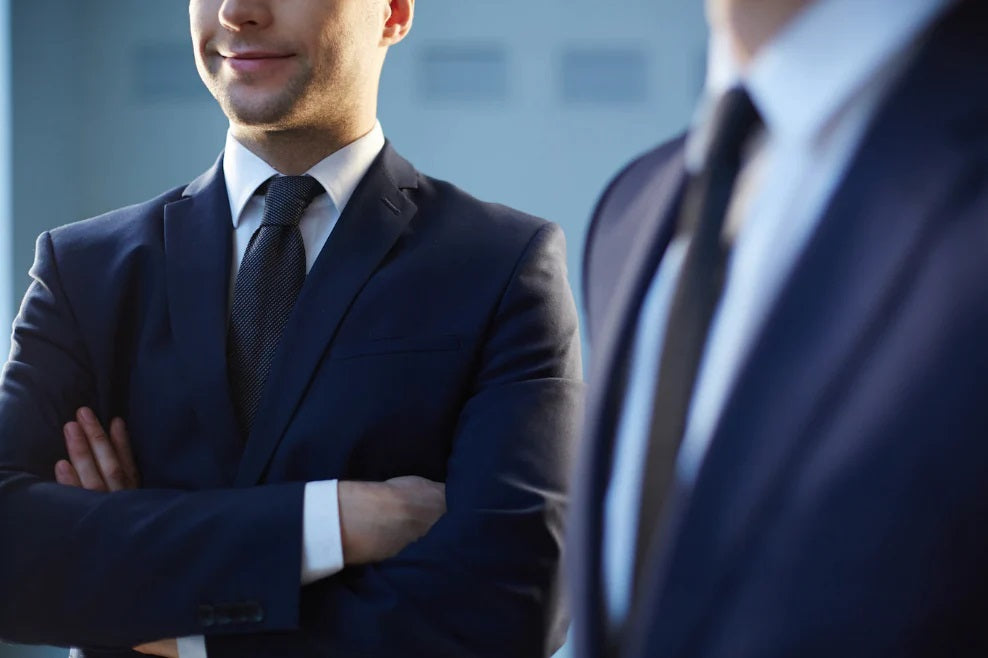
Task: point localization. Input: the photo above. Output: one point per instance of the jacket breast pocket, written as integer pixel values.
(398, 345)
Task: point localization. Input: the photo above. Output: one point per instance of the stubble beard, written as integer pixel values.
(276, 110)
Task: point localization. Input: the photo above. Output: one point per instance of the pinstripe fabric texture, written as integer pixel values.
(268, 284)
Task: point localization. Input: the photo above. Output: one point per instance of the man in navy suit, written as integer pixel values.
(786, 433)
(305, 358)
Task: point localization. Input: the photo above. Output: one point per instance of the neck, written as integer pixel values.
(751, 24)
(294, 151)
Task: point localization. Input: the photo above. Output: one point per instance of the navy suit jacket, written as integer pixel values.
(842, 509)
(435, 336)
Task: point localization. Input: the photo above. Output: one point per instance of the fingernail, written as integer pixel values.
(87, 415)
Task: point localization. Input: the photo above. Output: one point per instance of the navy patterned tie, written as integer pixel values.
(268, 284)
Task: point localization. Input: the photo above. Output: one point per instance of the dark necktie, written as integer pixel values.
(697, 293)
(268, 284)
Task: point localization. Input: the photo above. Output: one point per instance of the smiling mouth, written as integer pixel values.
(254, 61)
(255, 55)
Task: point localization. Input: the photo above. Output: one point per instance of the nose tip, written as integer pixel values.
(237, 15)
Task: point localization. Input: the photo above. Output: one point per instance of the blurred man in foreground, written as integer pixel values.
(788, 308)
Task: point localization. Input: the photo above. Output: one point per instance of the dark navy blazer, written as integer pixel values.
(435, 336)
(842, 509)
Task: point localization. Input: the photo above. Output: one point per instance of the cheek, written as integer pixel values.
(203, 24)
(332, 51)
(353, 45)
(356, 30)
(196, 15)
(203, 20)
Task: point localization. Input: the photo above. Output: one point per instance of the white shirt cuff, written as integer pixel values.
(322, 548)
(322, 541)
(192, 647)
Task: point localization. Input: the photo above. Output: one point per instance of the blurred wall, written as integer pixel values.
(6, 209)
(531, 103)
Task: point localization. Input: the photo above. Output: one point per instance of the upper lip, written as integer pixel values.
(253, 54)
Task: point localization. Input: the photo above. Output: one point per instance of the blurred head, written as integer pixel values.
(289, 64)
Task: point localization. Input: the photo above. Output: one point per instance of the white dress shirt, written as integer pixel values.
(816, 86)
(339, 174)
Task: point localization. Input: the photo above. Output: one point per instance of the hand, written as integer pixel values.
(97, 462)
(101, 463)
(379, 519)
(166, 648)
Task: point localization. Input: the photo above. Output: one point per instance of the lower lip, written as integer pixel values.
(258, 65)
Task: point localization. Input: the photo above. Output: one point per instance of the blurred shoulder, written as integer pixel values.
(631, 180)
(628, 201)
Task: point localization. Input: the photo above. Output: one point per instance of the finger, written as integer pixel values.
(121, 442)
(82, 458)
(106, 456)
(65, 474)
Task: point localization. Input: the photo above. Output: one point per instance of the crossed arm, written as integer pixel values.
(377, 519)
(122, 568)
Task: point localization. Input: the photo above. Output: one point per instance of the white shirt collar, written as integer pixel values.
(339, 174)
(802, 79)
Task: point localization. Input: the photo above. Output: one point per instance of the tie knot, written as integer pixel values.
(287, 197)
(735, 119)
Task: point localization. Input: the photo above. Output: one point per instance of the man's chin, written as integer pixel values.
(258, 113)
(260, 120)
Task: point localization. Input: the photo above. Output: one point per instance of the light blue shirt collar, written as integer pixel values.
(814, 67)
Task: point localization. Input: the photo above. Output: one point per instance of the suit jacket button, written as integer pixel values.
(207, 615)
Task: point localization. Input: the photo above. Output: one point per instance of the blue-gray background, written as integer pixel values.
(533, 103)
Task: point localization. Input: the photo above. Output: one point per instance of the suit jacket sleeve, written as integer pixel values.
(484, 581)
(115, 570)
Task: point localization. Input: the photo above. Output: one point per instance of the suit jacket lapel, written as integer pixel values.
(198, 249)
(657, 203)
(374, 219)
(842, 295)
